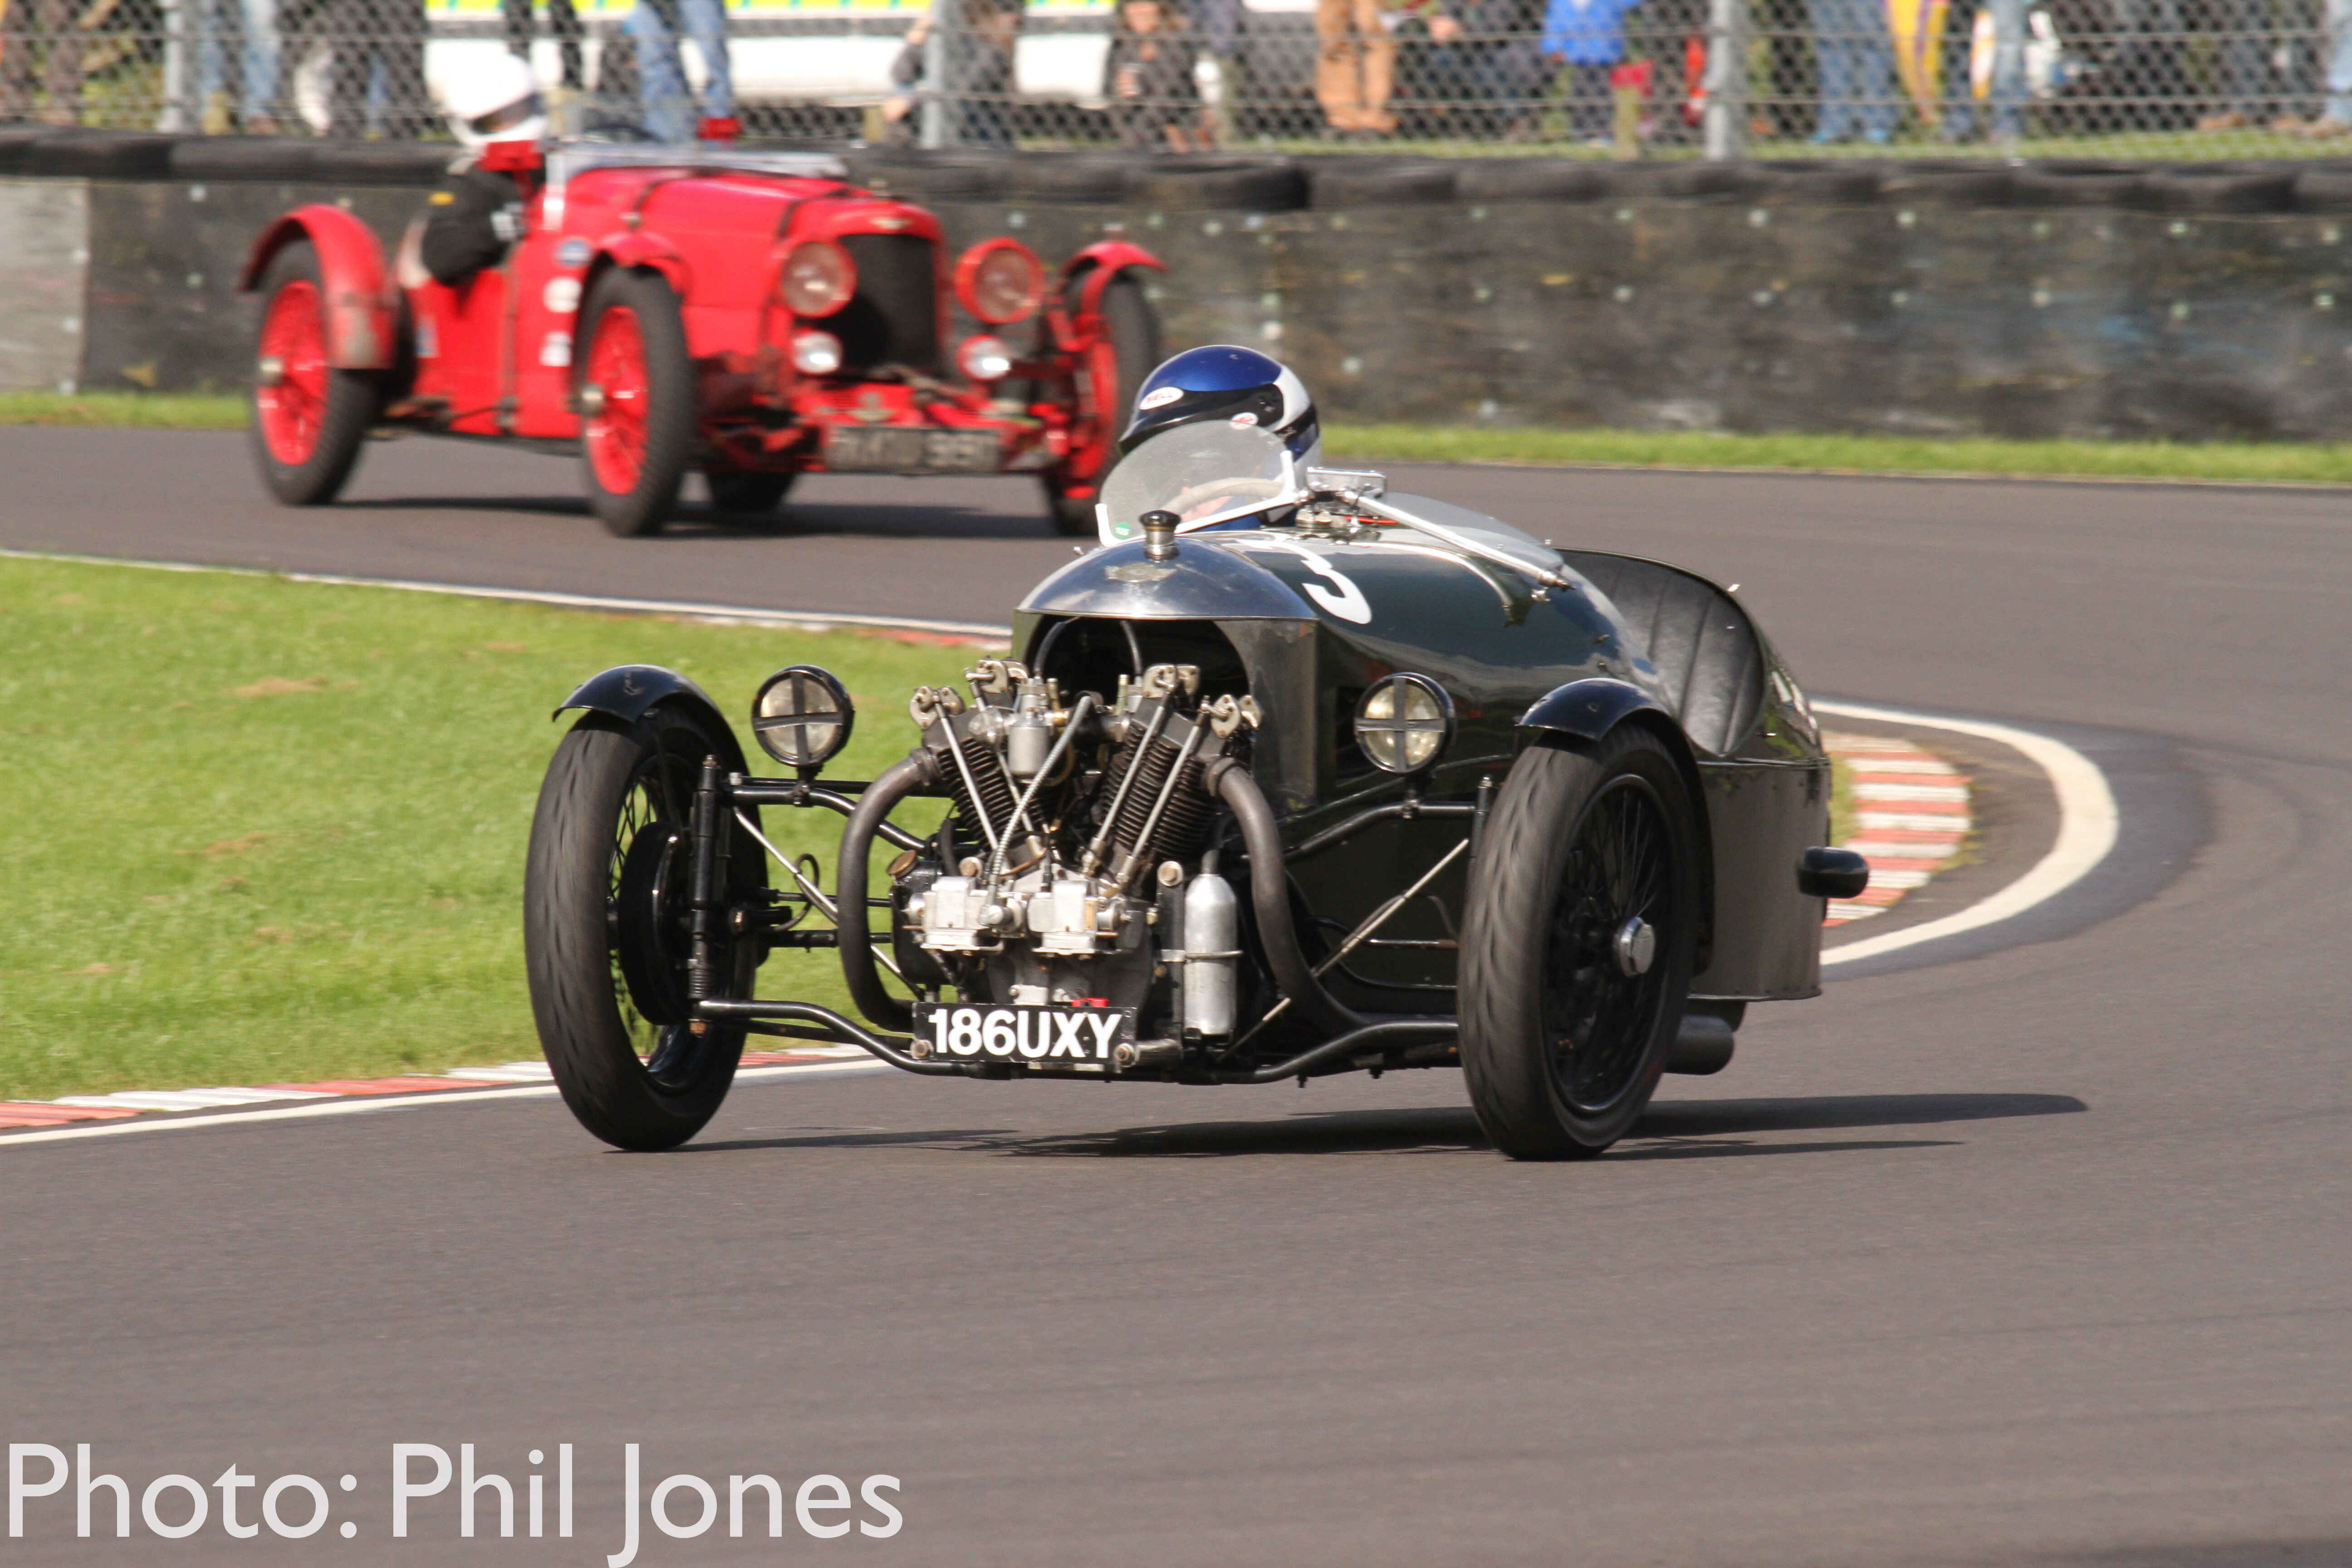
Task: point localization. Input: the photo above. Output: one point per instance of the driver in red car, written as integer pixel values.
(474, 214)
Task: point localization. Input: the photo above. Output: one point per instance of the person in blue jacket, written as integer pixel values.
(1587, 37)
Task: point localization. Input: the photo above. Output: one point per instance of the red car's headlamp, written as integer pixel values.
(818, 279)
(1001, 281)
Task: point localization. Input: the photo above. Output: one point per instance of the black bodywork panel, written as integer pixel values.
(1306, 622)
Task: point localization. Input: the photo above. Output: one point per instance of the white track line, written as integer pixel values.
(811, 620)
(354, 1106)
(2087, 830)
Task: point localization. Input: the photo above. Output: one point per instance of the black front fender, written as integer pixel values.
(629, 691)
(1588, 710)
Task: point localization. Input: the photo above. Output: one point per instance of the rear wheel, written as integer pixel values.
(637, 399)
(747, 494)
(1577, 945)
(309, 419)
(1115, 368)
(606, 932)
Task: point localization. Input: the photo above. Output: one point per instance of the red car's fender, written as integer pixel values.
(362, 311)
(1100, 262)
(640, 248)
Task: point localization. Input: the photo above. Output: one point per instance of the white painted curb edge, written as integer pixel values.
(812, 619)
(354, 1106)
(2087, 830)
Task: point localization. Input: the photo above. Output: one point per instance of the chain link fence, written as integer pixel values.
(1605, 79)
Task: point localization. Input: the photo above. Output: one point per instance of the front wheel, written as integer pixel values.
(606, 930)
(1115, 367)
(309, 417)
(636, 400)
(1576, 943)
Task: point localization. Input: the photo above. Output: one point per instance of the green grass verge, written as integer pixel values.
(2252, 462)
(145, 410)
(2248, 461)
(272, 831)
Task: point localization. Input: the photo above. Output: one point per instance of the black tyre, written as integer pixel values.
(747, 494)
(310, 419)
(605, 902)
(637, 401)
(1567, 1008)
(1132, 326)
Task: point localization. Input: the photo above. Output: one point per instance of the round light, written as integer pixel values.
(984, 359)
(816, 353)
(1001, 281)
(802, 716)
(818, 278)
(1404, 723)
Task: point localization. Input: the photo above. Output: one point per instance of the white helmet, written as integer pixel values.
(493, 97)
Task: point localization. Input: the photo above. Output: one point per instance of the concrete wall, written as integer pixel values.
(2094, 302)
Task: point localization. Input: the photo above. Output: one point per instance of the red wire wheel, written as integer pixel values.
(1112, 368)
(294, 341)
(616, 433)
(309, 419)
(636, 397)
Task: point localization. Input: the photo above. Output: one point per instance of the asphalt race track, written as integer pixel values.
(2043, 1254)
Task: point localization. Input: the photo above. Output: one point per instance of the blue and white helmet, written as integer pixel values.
(1225, 382)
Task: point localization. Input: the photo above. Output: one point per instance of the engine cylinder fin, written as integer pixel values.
(997, 799)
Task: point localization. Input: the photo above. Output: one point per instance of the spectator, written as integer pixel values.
(1587, 37)
(1486, 69)
(1355, 66)
(1854, 57)
(257, 73)
(377, 81)
(2335, 118)
(906, 79)
(24, 26)
(976, 70)
(1216, 25)
(1148, 78)
(662, 85)
(562, 25)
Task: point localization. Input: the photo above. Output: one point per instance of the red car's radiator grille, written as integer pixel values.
(895, 318)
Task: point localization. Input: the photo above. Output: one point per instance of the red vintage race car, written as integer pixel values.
(750, 314)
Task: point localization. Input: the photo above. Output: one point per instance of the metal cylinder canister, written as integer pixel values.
(1211, 944)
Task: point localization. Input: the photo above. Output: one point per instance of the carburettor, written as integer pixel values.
(1077, 865)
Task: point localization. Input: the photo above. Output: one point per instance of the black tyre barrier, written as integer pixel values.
(927, 176)
(2327, 190)
(99, 155)
(1344, 181)
(1834, 184)
(2066, 183)
(1950, 185)
(16, 145)
(275, 158)
(1077, 178)
(1235, 184)
(1693, 182)
(2196, 190)
(1533, 180)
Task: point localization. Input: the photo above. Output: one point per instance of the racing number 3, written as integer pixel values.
(1009, 1032)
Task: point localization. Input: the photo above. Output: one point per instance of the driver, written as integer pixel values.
(476, 213)
(1238, 385)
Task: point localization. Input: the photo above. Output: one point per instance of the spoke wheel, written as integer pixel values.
(638, 402)
(1578, 943)
(310, 419)
(1113, 370)
(606, 931)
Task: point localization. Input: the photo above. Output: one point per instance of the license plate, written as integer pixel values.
(888, 449)
(1046, 1035)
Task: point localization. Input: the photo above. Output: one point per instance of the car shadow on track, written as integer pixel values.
(1675, 1129)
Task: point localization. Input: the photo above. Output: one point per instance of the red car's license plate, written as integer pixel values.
(1048, 1035)
(894, 449)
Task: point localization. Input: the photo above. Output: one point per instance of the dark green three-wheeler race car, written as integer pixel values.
(1292, 777)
